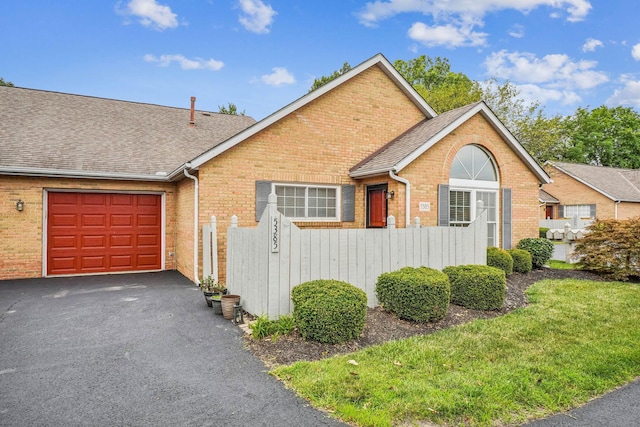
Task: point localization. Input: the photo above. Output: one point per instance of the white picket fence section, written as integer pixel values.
(266, 262)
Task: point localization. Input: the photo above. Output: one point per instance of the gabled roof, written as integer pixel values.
(378, 61)
(615, 183)
(56, 134)
(545, 197)
(400, 152)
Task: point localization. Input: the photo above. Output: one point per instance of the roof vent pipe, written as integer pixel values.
(192, 119)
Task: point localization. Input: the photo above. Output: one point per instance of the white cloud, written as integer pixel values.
(279, 77)
(517, 31)
(185, 63)
(591, 44)
(379, 10)
(152, 14)
(555, 70)
(257, 16)
(446, 35)
(555, 77)
(627, 95)
(635, 52)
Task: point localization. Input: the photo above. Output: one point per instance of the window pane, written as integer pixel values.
(473, 163)
(307, 202)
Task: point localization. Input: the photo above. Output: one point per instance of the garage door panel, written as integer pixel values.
(94, 220)
(148, 240)
(63, 220)
(64, 242)
(147, 220)
(94, 233)
(96, 263)
(94, 242)
(148, 260)
(122, 220)
(122, 241)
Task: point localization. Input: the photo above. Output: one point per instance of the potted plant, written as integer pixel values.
(210, 287)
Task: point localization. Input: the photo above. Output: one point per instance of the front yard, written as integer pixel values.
(576, 339)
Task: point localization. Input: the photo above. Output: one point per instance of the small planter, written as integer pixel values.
(216, 303)
(207, 297)
(228, 301)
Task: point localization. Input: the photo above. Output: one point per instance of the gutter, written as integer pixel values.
(58, 173)
(407, 198)
(196, 278)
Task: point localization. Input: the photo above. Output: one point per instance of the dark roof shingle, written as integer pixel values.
(616, 183)
(65, 132)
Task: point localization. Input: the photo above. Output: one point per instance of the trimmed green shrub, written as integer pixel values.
(542, 232)
(500, 258)
(418, 294)
(479, 287)
(540, 250)
(264, 327)
(329, 311)
(521, 260)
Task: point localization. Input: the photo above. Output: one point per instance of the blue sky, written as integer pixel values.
(263, 54)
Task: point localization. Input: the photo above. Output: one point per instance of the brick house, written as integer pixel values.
(90, 185)
(590, 192)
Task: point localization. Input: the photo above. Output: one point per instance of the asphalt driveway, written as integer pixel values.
(135, 349)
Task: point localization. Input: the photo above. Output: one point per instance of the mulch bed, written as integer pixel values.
(381, 326)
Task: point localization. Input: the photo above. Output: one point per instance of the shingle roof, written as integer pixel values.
(64, 132)
(395, 151)
(615, 183)
(547, 198)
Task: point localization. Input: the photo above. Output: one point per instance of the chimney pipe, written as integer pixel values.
(192, 120)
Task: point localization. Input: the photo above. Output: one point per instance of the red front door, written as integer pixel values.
(549, 212)
(103, 233)
(377, 206)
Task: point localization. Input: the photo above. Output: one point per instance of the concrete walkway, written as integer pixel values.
(135, 350)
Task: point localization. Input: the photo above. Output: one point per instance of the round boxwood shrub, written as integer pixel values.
(521, 260)
(329, 311)
(479, 287)
(418, 294)
(540, 250)
(500, 258)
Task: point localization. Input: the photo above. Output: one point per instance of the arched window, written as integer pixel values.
(474, 177)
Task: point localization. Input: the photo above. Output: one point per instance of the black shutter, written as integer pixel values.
(506, 218)
(348, 203)
(443, 205)
(560, 211)
(592, 211)
(263, 189)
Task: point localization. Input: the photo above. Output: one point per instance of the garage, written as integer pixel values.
(103, 232)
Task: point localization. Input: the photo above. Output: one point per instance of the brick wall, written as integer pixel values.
(572, 192)
(318, 143)
(21, 235)
(432, 168)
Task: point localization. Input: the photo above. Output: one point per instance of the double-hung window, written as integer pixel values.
(308, 202)
(580, 211)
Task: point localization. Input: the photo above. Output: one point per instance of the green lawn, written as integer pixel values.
(575, 341)
(561, 265)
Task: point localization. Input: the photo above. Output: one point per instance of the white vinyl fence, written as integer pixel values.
(266, 262)
(574, 223)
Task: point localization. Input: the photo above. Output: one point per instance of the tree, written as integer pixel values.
(230, 109)
(3, 83)
(442, 88)
(604, 136)
(326, 79)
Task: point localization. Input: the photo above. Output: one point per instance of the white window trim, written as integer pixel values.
(474, 207)
(578, 207)
(313, 219)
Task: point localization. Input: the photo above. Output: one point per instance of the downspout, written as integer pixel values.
(195, 223)
(407, 197)
(615, 206)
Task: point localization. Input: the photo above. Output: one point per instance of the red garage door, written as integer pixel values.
(103, 233)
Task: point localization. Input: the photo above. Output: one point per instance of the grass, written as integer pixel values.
(561, 265)
(575, 341)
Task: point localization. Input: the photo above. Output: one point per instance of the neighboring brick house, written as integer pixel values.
(347, 155)
(590, 192)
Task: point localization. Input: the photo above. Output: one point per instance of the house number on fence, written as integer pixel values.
(275, 234)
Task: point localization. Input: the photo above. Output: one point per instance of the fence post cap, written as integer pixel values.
(273, 199)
